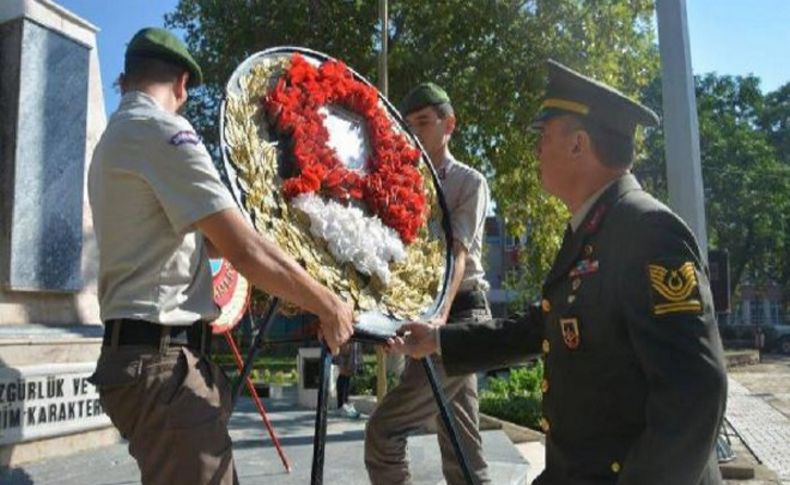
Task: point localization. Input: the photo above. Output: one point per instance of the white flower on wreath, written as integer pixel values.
(352, 236)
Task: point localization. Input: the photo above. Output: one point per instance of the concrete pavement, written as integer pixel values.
(758, 408)
(257, 460)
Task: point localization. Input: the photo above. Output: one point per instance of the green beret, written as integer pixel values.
(426, 94)
(569, 92)
(156, 43)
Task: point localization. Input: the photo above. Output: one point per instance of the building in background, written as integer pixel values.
(759, 305)
(502, 255)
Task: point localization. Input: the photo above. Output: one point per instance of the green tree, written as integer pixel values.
(488, 54)
(747, 185)
(775, 120)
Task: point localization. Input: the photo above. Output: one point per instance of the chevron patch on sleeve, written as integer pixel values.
(674, 287)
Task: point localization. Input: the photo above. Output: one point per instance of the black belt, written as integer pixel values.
(141, 332)
(469, 300)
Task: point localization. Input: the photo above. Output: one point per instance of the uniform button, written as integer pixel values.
(615, 467)
(546, 346)
(544, 386)
(544, 425)
(576, 283)
(588, 250)
(571, 298)
(545, 305)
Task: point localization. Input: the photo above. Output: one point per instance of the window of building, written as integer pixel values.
(757, 311)
(775, 311)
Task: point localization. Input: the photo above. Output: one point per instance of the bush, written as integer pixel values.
(271, 363)
(280, 378)
(515, 398)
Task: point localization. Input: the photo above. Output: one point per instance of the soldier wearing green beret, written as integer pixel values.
(159, 209)
(410, 405)
(635, 383)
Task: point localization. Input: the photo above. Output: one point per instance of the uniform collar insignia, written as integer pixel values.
(573, 244)
(595, 220)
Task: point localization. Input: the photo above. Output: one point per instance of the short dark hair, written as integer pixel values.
(443, 110)
(612, 148)
(150, 69)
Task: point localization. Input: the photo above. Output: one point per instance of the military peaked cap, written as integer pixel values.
(569, 92)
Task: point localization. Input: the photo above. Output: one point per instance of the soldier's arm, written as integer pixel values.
(471, 347)
(187, 185)
(211, 250)
(672, 329)
(273, 270)
(459, 266)
(467, 220)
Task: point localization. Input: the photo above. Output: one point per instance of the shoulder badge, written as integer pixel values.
(185, 136)
(674, 289)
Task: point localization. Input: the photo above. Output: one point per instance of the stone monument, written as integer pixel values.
(51, 116)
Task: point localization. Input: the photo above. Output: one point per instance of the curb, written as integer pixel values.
(740, 358)
(517, 434)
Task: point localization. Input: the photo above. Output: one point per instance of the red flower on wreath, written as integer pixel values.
(392, 187)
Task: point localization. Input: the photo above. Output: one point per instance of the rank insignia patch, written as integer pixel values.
(570, 332)
(674, 289)
(185, 136)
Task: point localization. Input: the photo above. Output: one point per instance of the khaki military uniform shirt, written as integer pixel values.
(150, 180)
(466, 193)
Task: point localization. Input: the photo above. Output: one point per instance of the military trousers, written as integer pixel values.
(172, 405)
(410, 407)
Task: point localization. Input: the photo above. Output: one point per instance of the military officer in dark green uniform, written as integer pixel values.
(635, 383)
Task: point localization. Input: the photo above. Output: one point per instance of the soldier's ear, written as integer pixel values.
(449, 124)
(180, 87)
(580, 142)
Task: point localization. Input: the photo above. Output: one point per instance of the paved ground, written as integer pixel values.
(759, 410)
(258, 462)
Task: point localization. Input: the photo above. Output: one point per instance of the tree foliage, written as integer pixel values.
(488, 54)
(745, 173)
(775, 120)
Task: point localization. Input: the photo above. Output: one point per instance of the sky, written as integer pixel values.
(736, 37)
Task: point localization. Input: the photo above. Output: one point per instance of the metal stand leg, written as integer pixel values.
(319, 438)
(258, 404)
(447, 418)
(254, 349)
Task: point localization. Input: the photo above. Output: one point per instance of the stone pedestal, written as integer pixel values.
(51, 116)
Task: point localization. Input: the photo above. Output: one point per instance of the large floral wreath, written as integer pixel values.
(393, 188)
(373, 234)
